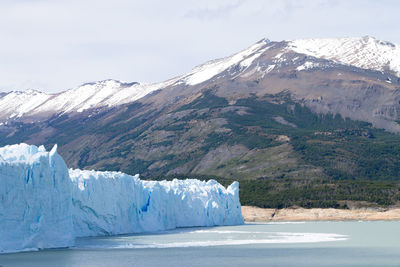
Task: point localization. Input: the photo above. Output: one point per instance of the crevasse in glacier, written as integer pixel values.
(44, 205)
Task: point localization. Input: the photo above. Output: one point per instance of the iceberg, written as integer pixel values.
(45, 205)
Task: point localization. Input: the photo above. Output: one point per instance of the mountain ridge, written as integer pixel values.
(110, 93)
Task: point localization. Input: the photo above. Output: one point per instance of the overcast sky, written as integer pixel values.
(53, 45)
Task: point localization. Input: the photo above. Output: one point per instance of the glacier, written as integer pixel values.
(45, 205)
(35, 199)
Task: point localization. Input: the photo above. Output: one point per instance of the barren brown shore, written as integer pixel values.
(255, 214)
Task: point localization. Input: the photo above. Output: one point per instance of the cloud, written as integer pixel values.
(217, 12)
(55, 45)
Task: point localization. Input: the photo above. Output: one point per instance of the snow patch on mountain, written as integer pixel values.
(94, 95)
(366, 52)
(106, 93)
(17, 103)
(212, 68)
(308, 65)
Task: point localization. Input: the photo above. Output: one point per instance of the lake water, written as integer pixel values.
(272, 244)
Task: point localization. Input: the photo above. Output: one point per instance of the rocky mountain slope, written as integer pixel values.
(296, 121)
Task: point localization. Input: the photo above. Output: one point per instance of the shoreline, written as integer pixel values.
(255, 214)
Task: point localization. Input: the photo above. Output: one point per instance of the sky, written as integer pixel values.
(55, 45)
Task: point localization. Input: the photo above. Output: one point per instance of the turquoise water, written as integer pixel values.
(275, 244)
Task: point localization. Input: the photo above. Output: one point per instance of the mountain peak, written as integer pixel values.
(33, 92)
(265, 40)
(368, 38)
(212, 68)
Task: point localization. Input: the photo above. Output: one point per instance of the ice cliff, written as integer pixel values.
(43, 205)
(35, 199)
(117, 203)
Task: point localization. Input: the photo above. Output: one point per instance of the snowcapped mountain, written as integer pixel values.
(229, 116)
(242, 59)
(107, 93)
(366, 52)
(17, 103)
(261, 59)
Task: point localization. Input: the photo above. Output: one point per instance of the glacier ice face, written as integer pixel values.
(35, 199)
(117, 203)
(43, 205)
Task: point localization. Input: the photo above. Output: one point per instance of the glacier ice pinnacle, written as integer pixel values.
(43, 205)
